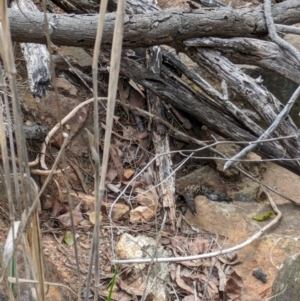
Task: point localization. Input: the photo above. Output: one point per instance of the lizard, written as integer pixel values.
(191, 191)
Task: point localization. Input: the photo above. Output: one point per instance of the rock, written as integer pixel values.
(286, 286)
(66, 86)
(255, 169)
(229, 150)
(233, 223)
(144, 247)
(78, 56)
(248, 191)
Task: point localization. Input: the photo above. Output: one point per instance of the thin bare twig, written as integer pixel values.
(268, 132)
(112, 92)
(288, 29)
(213, 254)
(285, 45)
(273, 34)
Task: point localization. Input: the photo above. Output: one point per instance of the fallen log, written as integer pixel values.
(155, 28)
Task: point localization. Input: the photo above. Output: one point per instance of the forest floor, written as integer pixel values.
(215, 226)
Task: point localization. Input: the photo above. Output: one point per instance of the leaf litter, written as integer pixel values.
(137, 212)
(139, 205)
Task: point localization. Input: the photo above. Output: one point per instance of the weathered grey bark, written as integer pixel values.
(256, 52)
(262, 101)
(77, 6)
(162, 27)
(36, 56)
(160, 139)
(266, 104)
(187, 100)
(214, 94)
(210, 3)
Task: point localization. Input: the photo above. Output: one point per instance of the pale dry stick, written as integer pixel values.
(287, 29)
(271, 257)
(95, 150)
(6, 50)
(25, 220)
(213, 254)
(22, 280)
(36, 200)
(273, 34)
(112, 92)
(73, 231)
(240, 160)
(46, 172)
(268, 132)
(10, 135)
(277, 294)
(195, 290)
(57, 126)
(7, 178)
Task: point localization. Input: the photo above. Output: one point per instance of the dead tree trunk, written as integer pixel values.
(37, 56)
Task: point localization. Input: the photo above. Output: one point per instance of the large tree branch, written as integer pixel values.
(265, 103)
(189, 101)
(161, 27)
(256, 52)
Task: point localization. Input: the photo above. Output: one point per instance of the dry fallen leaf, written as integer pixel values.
(181, 283)
(59, 208)
(65, 219)
(92, 217)
(198, 246)
(136, 87)
(190, 298)
(116, 160)
(141, 214)
(140, 135)
(180, 243)
(111, 173)
(213, 291)
(234, 285)
(148, 198)
(146, 179)
(119, 210)
(128, 173)
(137, 290)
